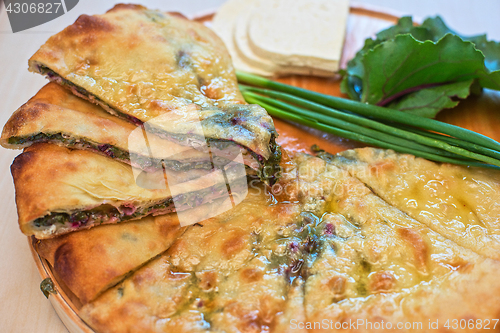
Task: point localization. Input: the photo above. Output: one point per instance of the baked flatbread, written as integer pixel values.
(57, 116)
(94, 260)
(201, 265)
(91, 261)
(460, 203)
(327, 251)
(150, 66)
(59, 190)
(378, 264)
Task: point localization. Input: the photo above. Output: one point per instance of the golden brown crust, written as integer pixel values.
(54, 110)
(199, 284)
(49, 178)
(91, 261)
(146, 63)
(380, 257)
(459, 296)
(344, 255)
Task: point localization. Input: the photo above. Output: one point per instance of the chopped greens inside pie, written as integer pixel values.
(55, 115)
(139, 69)
(77, 189)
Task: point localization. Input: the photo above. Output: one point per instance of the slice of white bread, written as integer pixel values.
(305, 33)
(223, 24)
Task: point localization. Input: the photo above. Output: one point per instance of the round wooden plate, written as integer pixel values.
(478, 114)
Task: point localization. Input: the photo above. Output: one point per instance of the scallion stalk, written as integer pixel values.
(387, 133)
(274, 111)
(358, 121)
(372, 111)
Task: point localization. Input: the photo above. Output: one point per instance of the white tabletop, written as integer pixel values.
(23, 308)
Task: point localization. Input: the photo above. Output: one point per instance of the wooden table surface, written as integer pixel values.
(23, 308)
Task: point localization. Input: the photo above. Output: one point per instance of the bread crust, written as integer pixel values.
(145, 64)
(55, 110)
(91, 261)
(461, 203)
(50, 179)
(334, 252)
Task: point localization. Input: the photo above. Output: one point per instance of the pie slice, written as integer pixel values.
(325, 251)
(93, 260)
(229, 273)
(149, 66)
(59, 190)
(462, 204)
(463, 300)
(374, 263)
(55, 115)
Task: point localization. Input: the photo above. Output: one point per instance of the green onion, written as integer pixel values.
(456, 142)
(362, 138)
(373, 111)
(384, 135)
(404, 133)
(343, 122)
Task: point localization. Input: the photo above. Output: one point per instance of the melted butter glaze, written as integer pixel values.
(463, 204)
(190, 64)
(326, 248)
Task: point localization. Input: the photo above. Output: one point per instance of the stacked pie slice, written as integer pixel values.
(143, 123)
(156, 96)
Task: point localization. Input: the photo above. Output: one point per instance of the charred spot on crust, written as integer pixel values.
(251, 274)
(208, 280)
(71, 166)
(18, 165)
(337, 286)
(21, 169)
(169, 227)
(382, 282)
(233, 245)
(27, 113)
(261, 319)
(22, 173)
(86, 24)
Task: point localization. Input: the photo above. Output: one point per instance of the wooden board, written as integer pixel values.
(477, 113)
